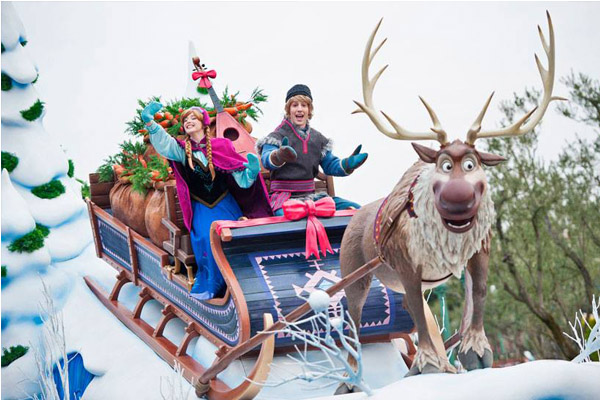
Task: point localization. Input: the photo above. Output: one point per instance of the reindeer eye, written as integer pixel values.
(468, 165)
(446, 166)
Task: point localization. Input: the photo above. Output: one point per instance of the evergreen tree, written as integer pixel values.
(43, 218)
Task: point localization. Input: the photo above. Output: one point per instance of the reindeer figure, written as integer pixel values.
(436, 220)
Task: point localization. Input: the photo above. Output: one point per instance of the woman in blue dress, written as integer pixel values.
(213, 181)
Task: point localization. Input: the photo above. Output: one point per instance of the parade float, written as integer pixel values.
(269, 264)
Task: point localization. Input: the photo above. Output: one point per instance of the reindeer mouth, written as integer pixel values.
(459, 225)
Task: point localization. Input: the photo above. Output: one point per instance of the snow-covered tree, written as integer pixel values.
(44, 219)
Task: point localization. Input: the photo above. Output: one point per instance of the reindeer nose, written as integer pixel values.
(457, 196)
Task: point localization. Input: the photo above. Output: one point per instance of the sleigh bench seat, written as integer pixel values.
(179, 244)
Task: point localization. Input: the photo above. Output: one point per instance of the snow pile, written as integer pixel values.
(44, 220)
(544, 379)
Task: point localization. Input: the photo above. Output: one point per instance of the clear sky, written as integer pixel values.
(97, 58)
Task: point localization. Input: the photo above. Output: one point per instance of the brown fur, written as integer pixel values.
(402, 274)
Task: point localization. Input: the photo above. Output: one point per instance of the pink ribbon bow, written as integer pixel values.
(325, 207)
(203, 76)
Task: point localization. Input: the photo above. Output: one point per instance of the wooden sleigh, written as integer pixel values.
(267, 276)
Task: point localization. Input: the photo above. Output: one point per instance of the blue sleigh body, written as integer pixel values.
(266, 271)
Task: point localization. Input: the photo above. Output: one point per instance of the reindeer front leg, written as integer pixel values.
(427, 359)
(475, 351)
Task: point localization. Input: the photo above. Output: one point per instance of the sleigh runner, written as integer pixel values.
(267, 274)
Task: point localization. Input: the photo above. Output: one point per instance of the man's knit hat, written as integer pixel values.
(298, 90)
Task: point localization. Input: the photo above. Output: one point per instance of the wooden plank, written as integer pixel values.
(101, 188)
(330, 186)
(94, 177)
(101, 201)
(94, 223)
(133, 256)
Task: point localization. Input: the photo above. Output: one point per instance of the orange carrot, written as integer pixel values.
(164, 124)
(158, 116)
(142, 161)
(155, 176)
(119, 169)
(144, 131)
(168, 115)
(244, 107)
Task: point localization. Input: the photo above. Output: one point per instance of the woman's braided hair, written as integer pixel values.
(188, 142)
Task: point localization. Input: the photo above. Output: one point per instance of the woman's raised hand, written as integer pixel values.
(150, 110)
(253, 165)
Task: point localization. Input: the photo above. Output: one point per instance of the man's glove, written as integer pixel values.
(253, 166)
(355, 160)
(284, 154)
(150, 110)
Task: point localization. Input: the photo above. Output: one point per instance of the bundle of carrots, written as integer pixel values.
(166, 120)
(136, 170)
(235, 110)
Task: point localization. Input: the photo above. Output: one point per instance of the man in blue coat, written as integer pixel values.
(295, 150)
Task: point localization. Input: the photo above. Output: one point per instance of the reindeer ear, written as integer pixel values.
(490, 159)
(425, 153)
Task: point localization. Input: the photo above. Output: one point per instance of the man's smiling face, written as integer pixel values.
(299, 111)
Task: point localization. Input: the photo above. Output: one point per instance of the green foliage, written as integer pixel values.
(85, 189)
(9, 161)
(23, 43)
(12, 354)
(6, 82)
(49, 190)
(256, 97)
(30, 242)
(34, 112)
(135, 148)
(3, 49)
(585, 99)
(36, 78)
(141, 179)
(136, 127)
(44, 230)
(105, 171)
(4, 271)
(157, 164)
(545, 255)
(71, 171)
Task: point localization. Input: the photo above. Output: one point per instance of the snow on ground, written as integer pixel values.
(537, 380)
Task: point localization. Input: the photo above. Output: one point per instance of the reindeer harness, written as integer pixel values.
(387, 218)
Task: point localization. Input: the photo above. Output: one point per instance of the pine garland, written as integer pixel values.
(49, 190)
(85, 189)
(31, 241)
(105, 171)
(71, 171)
(12, 354)
(34, 112)
(9, 161)
(6, 82)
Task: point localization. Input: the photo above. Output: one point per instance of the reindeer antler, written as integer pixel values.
(533, 117)
(368, 85)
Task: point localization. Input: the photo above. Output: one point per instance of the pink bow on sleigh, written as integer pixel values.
(203, 76)
(325, 207)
